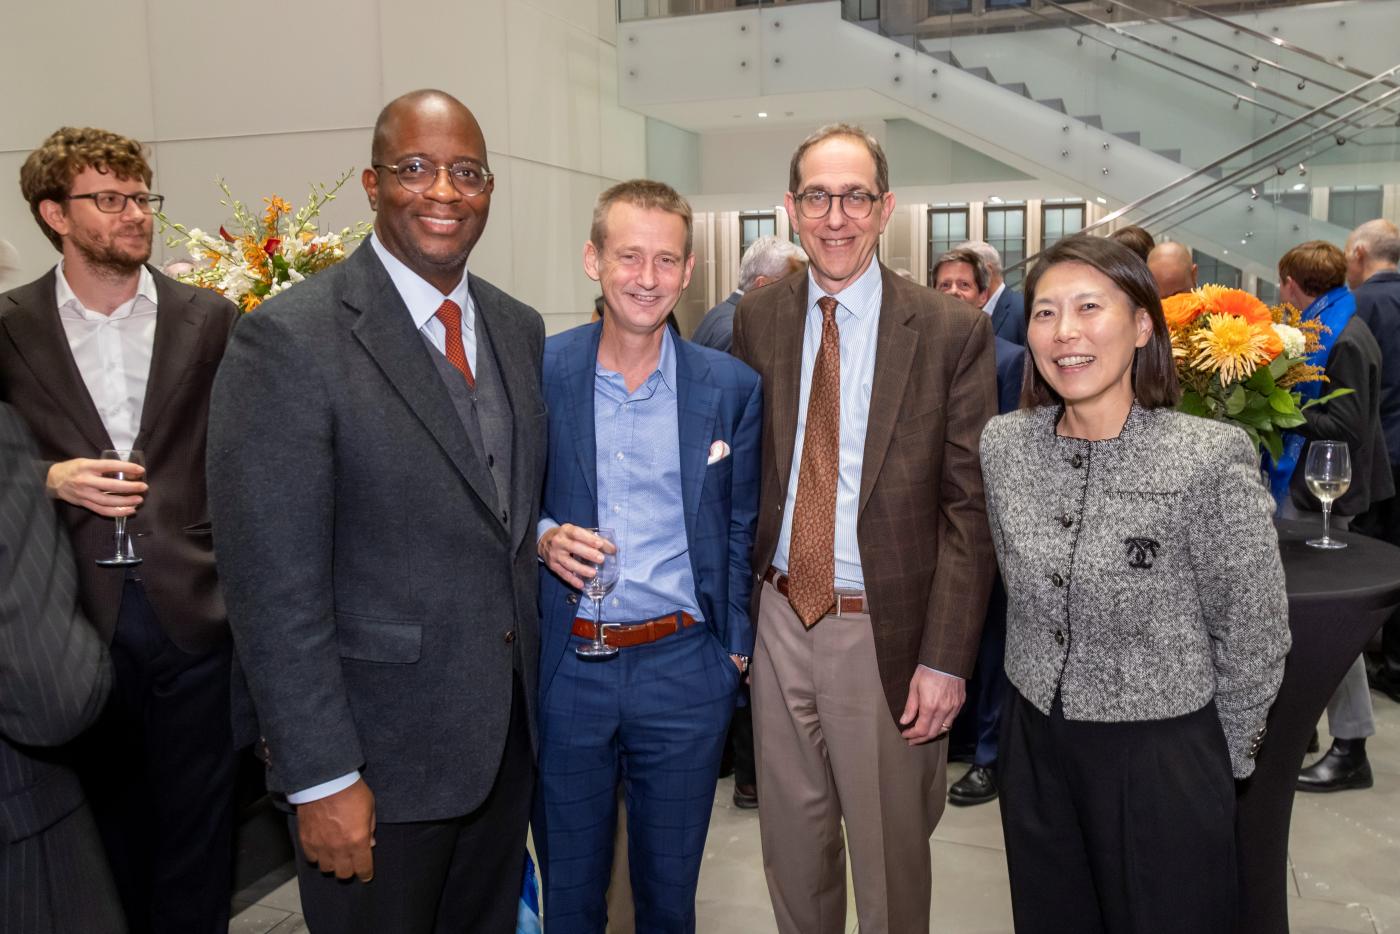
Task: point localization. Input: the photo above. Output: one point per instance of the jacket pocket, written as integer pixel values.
(368, 639)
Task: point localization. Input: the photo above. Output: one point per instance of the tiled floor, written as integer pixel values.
(1345, 863)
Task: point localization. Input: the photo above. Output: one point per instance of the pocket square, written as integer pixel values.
(718, 452)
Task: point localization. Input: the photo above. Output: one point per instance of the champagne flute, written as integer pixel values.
(596, 588)
(125, 556)
(1328, 473)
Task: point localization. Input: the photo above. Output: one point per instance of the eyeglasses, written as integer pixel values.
(114, 202)
(418, 175)
(817, 203)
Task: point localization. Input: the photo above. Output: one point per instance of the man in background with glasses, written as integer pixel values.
(872, 560)
(376, 457)
(104, 353)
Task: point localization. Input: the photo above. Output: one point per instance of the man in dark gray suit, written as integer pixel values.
(376, 458)
(55, 675)
(1006, 306)
(767, 259)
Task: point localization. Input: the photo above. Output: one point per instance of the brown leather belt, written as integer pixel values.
(625, 637)
(846, 603)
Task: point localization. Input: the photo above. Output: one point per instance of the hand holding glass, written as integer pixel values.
(124, 556)
(596, 588)
(1328, 473)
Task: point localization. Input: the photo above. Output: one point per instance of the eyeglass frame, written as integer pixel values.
(488, 177)
(800, 198)
(153, 201)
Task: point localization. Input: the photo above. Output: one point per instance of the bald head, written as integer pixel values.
(427, 102)
(1172, 268)
(1373, 247)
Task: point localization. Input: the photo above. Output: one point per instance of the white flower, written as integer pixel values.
(1294, 343)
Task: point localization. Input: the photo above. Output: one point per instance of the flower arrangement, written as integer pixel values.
(1239, 360)
(264, 254)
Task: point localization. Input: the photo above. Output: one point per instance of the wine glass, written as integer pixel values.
(1328, 473)
(125, 556)
(596, 588)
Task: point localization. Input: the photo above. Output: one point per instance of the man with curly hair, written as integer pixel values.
(101, 353)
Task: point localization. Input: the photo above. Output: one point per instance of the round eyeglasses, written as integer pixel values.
(418, 175)
(114, 202)
(817, 203)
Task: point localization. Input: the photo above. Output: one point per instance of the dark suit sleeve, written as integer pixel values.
(271, 492)
(743, 516)
(1346, 418)
(54, 671)
(963, 576)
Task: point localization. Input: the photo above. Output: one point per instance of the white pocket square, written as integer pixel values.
(718, 452)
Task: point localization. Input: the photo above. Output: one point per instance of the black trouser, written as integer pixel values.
(740, 742)
(1117, 828)
(1382, 521)
(158, 769)
(433, 877)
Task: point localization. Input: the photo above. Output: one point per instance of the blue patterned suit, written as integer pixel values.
(655, 716)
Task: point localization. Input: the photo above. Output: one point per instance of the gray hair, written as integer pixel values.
(1381, 239)
(770, 257)
(991, 259)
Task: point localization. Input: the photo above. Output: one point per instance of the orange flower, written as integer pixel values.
(1273, 344)
(249, 301)
(1182, 309)
(276, 207)
(1223, 301)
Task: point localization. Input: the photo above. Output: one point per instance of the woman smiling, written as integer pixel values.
(1147, 621)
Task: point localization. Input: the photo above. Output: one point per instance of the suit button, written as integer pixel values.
(1060, 636)
(1057, 580)
(510, 636)
(1076, 462)
(571, 599)
(1066, 520)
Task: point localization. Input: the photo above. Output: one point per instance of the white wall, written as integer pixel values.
(275, 101)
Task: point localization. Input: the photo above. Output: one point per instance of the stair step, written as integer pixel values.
(1017, 87)
(1172, 154)
(1215, 172)
(1130, 136)
(1093, 120)
(1054, 103)
(984, 73)
(947, 57)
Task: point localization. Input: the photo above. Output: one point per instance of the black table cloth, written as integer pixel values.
(1336, 602)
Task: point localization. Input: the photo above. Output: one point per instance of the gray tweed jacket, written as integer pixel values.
(1142, 572)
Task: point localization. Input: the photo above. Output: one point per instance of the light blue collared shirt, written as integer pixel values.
(423, 300)
(858, 320)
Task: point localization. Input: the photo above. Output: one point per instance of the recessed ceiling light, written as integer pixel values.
(994, 199)
(762, 114)
(1300, 186)
(1101, 200)
(1226, 252)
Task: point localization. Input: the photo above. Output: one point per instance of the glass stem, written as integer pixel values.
(121, 536)
(1327, 521)
(598, 622)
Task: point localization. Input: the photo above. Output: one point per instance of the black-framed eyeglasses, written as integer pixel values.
(817, 203)
(114, 202)
(418, 175)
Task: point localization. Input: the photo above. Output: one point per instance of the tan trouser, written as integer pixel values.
(828, 749)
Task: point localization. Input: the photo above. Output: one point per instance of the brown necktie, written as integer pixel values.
(812, 545)
(451, 317)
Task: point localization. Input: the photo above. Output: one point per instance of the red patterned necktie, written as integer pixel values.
(812, 545)
(451, 317)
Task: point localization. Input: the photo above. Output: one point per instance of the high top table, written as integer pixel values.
(1336, 602)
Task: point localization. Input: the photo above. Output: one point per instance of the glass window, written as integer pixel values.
(1006, 230)
(945, 7)
(1298, 201)
(755, 225)
(1059, 219)
(1211, 271)
(947, 227)
(1267, 291)
(1349, 206)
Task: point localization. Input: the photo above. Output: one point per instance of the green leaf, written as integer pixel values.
(1192, 404)
(1327, 398)
(1273, 441)
(1282, 401)
(1261, 381)
(1290, 421)
(1280, 366)
(1260, 420)
(1236, 400)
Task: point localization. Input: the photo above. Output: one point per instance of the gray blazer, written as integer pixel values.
(54, 679)
(1142, 572)
(377, 599)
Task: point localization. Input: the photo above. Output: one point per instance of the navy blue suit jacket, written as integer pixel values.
(1009, 316)
(1011, 362)
(1378, 304)
(718, 399)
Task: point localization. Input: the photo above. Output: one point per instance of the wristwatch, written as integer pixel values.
(743, 661)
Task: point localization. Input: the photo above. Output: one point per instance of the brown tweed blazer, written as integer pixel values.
(922, 529)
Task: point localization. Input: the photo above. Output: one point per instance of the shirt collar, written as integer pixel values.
(858, 297)
(994, 298)
(665, 364)
(68, 299)
(422, 297)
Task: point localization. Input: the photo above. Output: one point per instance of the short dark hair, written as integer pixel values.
(48, 173)
(1136, 239)
(850, 131)
(645, 194)
(1154, 372)
(1316, 266)
(969, 256)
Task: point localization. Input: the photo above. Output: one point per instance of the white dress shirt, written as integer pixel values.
(995, 297)
(113, 353)
(423, 300)
(857, 320)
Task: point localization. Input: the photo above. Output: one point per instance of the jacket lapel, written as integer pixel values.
(386, 331)
(1002, 309)
(177, 336)
(696, 404)
(789, 326)
(515, 368)
(38, 335)
(578, 380)
(895, 347)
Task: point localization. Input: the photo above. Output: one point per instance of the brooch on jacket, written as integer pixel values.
(1141, 551)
